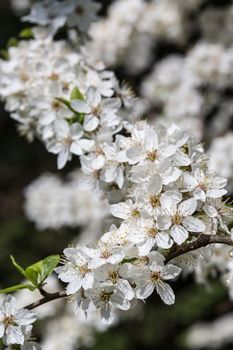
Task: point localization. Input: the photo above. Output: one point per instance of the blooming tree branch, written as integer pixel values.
(156, 180)
(46, 299)
(200, 242)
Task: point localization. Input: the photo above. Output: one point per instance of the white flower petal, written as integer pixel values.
(126, 289)
(145, 247)
(135, 154)
(187, 207)
(2, 329)
(199, 194)
(215, 193)
(189, 182)
(80, 106)
(165, 292)
(120, 210)
(151, 140)
(14, 335)
(163, 222)
(86, 144)
(62, 158)
(170, 271)
(179, 234)
(193, 224)
(163, 240)
(210, 211)
(88, 280)
(106, 313)
(90, 122)
(74, 285)
(144, 289)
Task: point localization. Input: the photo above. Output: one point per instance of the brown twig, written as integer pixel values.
(201, 241)
(49, 297)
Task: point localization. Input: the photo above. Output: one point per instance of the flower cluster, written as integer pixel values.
(155, 180)
(51, 203)
(55, 14)
(15, 324)
(171, 198)
(221, 158)
(135, 24)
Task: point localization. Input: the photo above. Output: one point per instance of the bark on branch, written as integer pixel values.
(201, 241)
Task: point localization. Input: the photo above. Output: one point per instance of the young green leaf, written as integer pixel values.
(63, 101)
(48, 265)
(76, 94)
(12, 42)
(18, 287)
(26, 33)
(33, 273)
(17, 266)
(39, 271)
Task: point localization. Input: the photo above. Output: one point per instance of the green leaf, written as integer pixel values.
(33, 273)
(26, 33)
(76, 94)
(39, 271)
(18, 287)
(12, 42)
(4, 54)
(18, 267)
(63, 101)
(48, 265)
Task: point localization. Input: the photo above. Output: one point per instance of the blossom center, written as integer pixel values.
(54, 77)
(203, 185)
(155, 277)
(105, 296)
(9, 321)
(177, 219)
(83, 269)
(56, 105)
(135, 213)
(113, 276)
(152, 155)
(155, 201)
(24, 76)
(66, 141)
(96, 111)
(152, 231)
(105, 254)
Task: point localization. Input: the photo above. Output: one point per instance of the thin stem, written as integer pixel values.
(49, 297)
(201, 241)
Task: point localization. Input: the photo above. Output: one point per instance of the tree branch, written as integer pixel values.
(201, 241)
(49, 297)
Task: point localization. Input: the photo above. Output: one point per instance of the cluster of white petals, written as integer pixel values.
(213, 335)
(51, 203)
(221, 157)
(176, 85)
(154, 179)
(15, 324)
(129, 33)
(170, 198)
(55, 14)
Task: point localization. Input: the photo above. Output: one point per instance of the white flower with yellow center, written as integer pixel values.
(179, 220)
(13, 321)
(153, 276)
